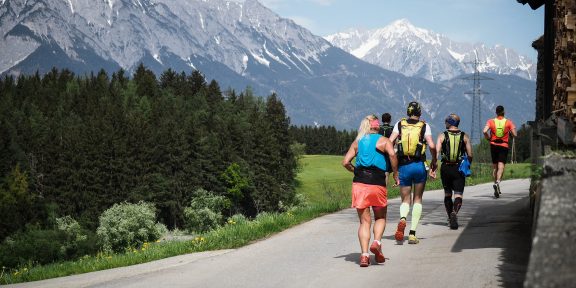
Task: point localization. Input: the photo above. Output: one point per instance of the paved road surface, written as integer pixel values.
(489, 250)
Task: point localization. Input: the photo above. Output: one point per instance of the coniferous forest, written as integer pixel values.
(324, 140)
(86, 161)
(76, 145)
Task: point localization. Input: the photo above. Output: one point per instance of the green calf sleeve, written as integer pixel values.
(404, 209)
(416, 213)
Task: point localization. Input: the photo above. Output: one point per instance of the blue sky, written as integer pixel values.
(504, 22)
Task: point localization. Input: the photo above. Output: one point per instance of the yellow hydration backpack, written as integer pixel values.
(411, 142)
(453, 146)
(500, 125)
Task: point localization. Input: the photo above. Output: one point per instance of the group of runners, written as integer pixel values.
(399, 150)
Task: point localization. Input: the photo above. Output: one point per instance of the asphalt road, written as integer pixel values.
(490, 249)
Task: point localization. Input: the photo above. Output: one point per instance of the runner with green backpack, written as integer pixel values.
(413, 136)
(497, 131)
(452, 145)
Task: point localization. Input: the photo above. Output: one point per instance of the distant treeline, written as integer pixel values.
(325, 140)
(76, 145)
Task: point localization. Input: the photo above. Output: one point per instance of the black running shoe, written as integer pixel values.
(453, 221)
(496, 190)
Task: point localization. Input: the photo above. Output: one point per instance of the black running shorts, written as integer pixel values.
(452, 179)
(499, 154)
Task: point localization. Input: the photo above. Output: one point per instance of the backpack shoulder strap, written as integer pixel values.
(422, 131)
(446, 142)
(462, 145)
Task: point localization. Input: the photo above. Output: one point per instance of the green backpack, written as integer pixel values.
(500, 125)
(453, 146)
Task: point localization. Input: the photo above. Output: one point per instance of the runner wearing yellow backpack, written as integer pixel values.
(413, 136)
(497, 131)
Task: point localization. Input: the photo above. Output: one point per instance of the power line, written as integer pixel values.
(476, 126)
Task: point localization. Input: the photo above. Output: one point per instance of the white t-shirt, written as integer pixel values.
(428, 132)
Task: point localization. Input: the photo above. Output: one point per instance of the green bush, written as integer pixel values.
(78, 241)
(205, 211)
(201, 219)
(31, 246)
(67, 241)
(129, 225)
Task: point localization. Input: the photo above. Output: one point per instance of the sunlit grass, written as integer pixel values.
(323, 178)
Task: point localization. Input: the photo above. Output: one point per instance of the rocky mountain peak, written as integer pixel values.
(414, 51)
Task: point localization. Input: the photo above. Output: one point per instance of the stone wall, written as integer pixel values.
(553, 255)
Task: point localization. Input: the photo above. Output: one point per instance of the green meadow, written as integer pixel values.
(322, 178)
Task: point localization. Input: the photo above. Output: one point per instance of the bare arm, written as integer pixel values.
(432, 148)
(393, 136)
(439, 141)
(468, 147)
(347, 161)
(385, 145)
(513, 131)
(485, 131)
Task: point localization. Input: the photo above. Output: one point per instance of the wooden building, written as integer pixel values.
(556, 80)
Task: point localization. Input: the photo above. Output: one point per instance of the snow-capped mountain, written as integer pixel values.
(234, 33)
(418, 52)
(239, 43)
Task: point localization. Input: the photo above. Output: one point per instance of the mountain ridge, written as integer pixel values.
(414, 51)
(238, 43)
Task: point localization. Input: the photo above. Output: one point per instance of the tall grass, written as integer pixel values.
(323, 182)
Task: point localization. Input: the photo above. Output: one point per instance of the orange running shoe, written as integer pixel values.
(399, 235)
(377, 250)
(364, 260)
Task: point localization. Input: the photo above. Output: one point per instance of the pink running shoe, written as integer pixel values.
(377, 250)
(364, 261)
(399, 235)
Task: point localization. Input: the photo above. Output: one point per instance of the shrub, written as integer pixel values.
(298, 201)
(77, 240)
(128, 225)
(202, 219)
(204, 212)
(67, 241)
(31, 246)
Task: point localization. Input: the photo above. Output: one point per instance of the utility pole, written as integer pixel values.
(476, 127)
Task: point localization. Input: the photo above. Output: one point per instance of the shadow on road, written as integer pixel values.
(352, 257)
(355, 258)
(507, 227)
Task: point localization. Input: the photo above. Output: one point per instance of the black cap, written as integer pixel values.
(413, 109)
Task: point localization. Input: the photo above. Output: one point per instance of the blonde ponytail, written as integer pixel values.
(364, 128)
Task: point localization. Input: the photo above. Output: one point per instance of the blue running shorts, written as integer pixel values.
(412, 173)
